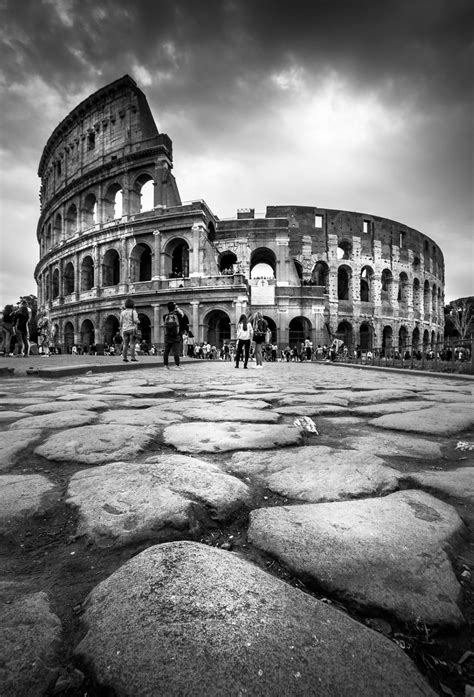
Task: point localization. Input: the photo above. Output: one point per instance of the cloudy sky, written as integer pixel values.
(362, 105)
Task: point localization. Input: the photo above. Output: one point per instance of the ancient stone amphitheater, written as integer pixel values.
(113, 225)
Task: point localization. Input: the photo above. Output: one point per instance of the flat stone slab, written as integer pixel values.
(226, 411)
(314, 399)
(13, 443)
(22, 495)
(125, 502)
(393, 444)
(443, 396)
(220, 436)
(387, 553)
(67, 418)
(29, 637)
(10, 416)
(187, 619)
(401, 406)
(315, 410)
(53, 407)
(94, 445)
(135, 391)
(375, 396)
(18, 401)
(140, 417)
(439, 421)
(317, 473)
(457, 482)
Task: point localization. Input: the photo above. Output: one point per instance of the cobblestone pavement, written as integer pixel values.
(299, 529)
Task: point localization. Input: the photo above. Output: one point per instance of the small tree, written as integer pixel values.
(461, 316)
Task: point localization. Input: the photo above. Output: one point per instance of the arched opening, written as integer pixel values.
(299, 269)
(320, 275)
(366, 338)
(262, 263)
(403, 286)
(403, 339)
(145, 327)
(111, 327)
(218, 328)
(366, 278)
(226, 262)
(47, 239)
(68, 337)
(426, 297)
(211, 231)
(90, 211)
(426, 339)
(434, 296)
(273, 328)
(387, 339)
(140, 263)
(87, 274)
(87, 334)
(415, 340)
(68, 278)
(55, 283)
(113, 202)
(343, 283)
(299, 330)
(177, 259)
(47, 287)
(110, 268)
(344, 333)
(147, 193)
(386, 281)
(344, 250)
(71, 221)
(57, 230)
(416, 295)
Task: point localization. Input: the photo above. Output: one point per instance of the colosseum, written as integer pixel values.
(112, 225)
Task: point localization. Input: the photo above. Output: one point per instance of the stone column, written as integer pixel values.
(198, 229)
(195, 321)
(97, 257)
(157, 329)
(283, 260)
(156, 261)
(124, 266)
(77, 276)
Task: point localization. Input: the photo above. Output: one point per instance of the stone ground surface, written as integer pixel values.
(178, 533)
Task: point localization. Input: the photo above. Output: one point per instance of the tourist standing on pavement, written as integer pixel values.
(172, 321)
(244, 337)
(7, 328)
(22, 317)
(128, 328)
(259, 326)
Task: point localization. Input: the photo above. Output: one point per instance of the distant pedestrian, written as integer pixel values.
(259, 326)
(244, 337)
(128, 327)
(7, 328)
(171, 322)
(22, 317)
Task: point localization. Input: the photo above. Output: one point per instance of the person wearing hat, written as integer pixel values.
(172, 321)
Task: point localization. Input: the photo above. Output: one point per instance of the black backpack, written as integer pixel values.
(171, 325)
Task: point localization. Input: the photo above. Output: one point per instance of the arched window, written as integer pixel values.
(320, 275)
(387, 281)
(87, 274)
(140, 263)
(299, 330)
(366, 278)
(87, 333)
(262, 263)
(55, 283)
(344, 249)
(387, 339)
(344, 333)
(403, 288)
(177, 259)
(366, 337)
(110, 328)
(218, 328)
(426, 297)
(71, 221)
(47, 239)
(343, 283)
(90, 211)
(57, 230)
(110, 268)
(403, 338)
(113, 202)
(226, 262)
(68, 336)
(68, 278)
(142, 195)
(416, 295)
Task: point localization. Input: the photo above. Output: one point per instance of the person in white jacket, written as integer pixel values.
(128, 328)
(244, 337)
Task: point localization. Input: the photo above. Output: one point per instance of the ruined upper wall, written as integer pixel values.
(113, 122)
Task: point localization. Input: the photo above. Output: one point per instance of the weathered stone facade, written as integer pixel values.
(371, 281)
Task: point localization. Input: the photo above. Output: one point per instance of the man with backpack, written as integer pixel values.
(171, 323)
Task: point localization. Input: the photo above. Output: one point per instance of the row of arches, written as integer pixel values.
(365, 338)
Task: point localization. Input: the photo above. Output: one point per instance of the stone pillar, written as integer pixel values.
(124, 266)
(77, 276)
(283, 328)
(97, 257)
(283, 260)
(157, 329)
(195, 320)
(156, 261)
(198, 229)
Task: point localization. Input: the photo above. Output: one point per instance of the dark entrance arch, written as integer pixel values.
(111, 327)
(226, 261)
(111, 268)
(300, 329)
(387, 340)
(68, 337)
(344, 333)
(140, 263)
(145, 327)
(87, 333)
(218, 328)
(272, 327)
(366, 337)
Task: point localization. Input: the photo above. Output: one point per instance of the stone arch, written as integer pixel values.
(55, 284)
(344, 275)
(48, 238)
(403, 338)
(68, 336)
(90, 211)
(142, 195)
(177, 258)
(434, 298)
(366, 284)
(47, 287)
(57, 229)
(403, 288)
(87, 333)
(415, 338)
(344, 249)
(299, 329)
(320, 275)
(68, 278)
(110, 268)
(426, 338)
(71, 220)
(112, 202)
(416, 295)
(386, 282)
(426, 297)
(227, 260)
(111, 326)
(217, 327)
(366, 336)
(265, 257)
(272, 327)
(87, 273)
(387, 338)
(344, 332)
(140, 263)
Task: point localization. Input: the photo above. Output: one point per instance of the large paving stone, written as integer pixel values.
(6, 416)
(135, 391)
(227, 411)
(22, 495)
(387, 553)
(127, 502)
(314, 400)
(379, 395)
(213, 437)
(94, 445)
(67, 418)
(444, 396)
(317, 473)
(18, 401)
(13, 443)
(140, 417)
(315, 410)
(401, 406)
(438, 420)
(29, 637)
(393, 444)
(52, 407)
(187, 619)
(457, 482)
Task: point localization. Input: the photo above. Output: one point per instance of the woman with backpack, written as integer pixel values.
(244, 337)
(128, 328)
(172, 333)
(259, 326)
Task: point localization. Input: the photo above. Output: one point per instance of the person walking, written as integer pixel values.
(22, 317)
(244, 337)
(259, 326)
(128, 328)
(171, 322)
